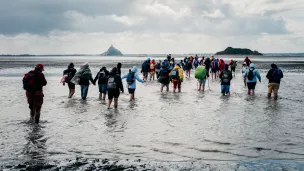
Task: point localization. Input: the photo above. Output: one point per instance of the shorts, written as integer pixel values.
(177, 84)
(71, 86)
(35, 99)
(202, 81)
(113, 94)
(225, 89)
(251, 86)
(273, 87)
(131, 90)
(213, 70)
(103, 88)
(232, 69)
(145, 74)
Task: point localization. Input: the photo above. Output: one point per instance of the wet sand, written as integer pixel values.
(159, 131)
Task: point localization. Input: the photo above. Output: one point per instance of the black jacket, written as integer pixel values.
(102, 81)
(118, 81)
(86, 81)
(270, 73)
(229, 75)
(145, 67)
(70, 72)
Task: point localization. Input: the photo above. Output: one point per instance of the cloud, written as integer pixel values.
(156, 24)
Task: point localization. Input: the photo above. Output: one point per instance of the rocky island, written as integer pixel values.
(112, 51)
(238, 51)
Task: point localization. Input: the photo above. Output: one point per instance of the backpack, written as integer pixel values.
(276, 76)
(234, 64)
(29, 81)
(225, 77)
(165, 73)
(196, 62)
(102, 76)
(111, 83)
(175, 74)
(157, 66)
(152, 66)
(213, 65)
(131, 78)
(250, 74)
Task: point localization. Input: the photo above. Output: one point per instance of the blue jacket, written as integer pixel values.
(256, 75)
(133, 85)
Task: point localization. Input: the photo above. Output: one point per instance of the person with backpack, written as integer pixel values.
(152, 69)
(188, 67)
(233, 65)
(195, 63)
(33, 83)
(244, 69)
(164, 78)
(102, 77)
(247, 60)
(222, 65)
(70, 73)
(214, 68)
(114, 87)
(226, 77)
(177, 77)
(145, 69)
(182, 65)
(201, 75)
(83, 78)
(131, 81)
(274, 76)
(207, 63)
(251, 76)
(157, 68)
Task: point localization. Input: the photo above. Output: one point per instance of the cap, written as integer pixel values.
(40, 66)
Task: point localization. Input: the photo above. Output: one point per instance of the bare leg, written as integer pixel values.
(109, 103)
(100, 96)
(203, 87)
(275, 96)
(104, 96)
(161, 88)
(37, 115)
(248, 92)
(32, 114)
(269, 95)
(115, 103)
(174, 89)
(245, 82)
(200, 86)
(167, 88)
(252, 92)
(72, 92)
(179, 90)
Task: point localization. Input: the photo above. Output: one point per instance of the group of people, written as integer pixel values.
(166, 71)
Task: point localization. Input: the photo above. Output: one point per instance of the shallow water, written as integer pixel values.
(190, 130)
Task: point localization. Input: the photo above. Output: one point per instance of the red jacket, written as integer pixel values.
(152, 66)
(221, 65)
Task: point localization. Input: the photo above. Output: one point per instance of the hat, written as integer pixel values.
(134, 69)
(252, 65)
(40, 66)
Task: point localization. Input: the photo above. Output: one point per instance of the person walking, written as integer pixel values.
(119, 65)
(132, 77)
(145, 69)
(157, 68)
(102, 77)
(70, 73)
(177, 76)
(233, 64)
(274, 76)
(33, 83)
(226, 77)
(114, 87)
(164, 78)
(188, 67)
(83, 78)
(247, 61)
(244, 69)
(251, 76)
(152, 69)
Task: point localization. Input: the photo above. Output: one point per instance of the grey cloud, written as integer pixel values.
(41, 17)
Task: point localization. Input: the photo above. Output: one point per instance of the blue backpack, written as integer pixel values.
(276, 76)
(175, 74)
(131, 78)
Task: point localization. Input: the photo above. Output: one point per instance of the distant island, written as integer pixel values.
(238, 51)
(112, 51)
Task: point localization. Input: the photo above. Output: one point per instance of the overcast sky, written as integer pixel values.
(150, 26)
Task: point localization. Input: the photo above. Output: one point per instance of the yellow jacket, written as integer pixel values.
(180, 73)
